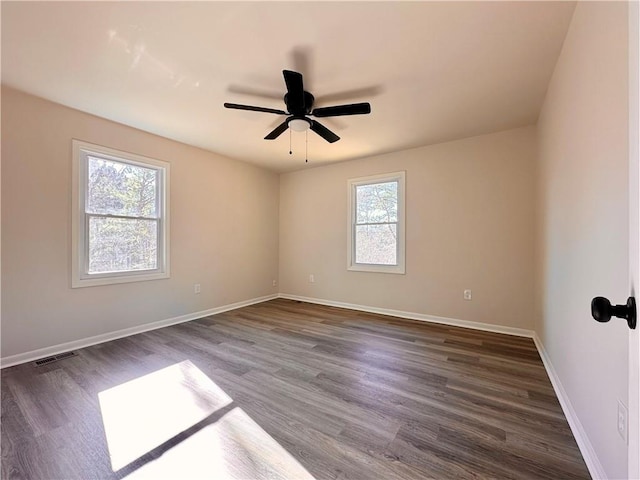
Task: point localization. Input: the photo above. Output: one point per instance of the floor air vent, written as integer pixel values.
(54, 358)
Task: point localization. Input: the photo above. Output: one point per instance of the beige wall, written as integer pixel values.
(224, 230)
(583, 222)
(469, 225)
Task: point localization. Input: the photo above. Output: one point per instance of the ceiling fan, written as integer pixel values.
(300, 106)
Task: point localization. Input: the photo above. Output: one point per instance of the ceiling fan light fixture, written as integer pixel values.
(299, 124)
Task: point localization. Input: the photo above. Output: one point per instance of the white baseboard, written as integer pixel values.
(106, 337)
(487, 327)
(586, 449)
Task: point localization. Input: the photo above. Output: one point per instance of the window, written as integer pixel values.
(376, 223)
(120, 217)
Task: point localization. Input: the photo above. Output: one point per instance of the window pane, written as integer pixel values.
(121, 189)
(376, 244)
(121, 244)
(377, 203)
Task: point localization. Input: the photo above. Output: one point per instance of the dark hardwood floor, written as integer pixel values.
(285, 389)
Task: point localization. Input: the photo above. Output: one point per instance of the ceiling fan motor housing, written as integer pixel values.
(300, 110)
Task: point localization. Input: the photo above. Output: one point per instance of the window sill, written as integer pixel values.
(397, 269)
(110, 280)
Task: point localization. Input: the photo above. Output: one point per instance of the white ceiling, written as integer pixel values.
(432, 71)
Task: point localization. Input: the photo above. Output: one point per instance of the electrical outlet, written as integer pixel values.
(274, 283)
(467, 294)
(623, 424)
(312, 279)
(196, 288)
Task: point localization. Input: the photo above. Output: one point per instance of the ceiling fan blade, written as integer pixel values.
(295, 92)
(277, 131)
(301, 60)
(338, 110)
(254, 109)
(350, 95)
(324, 132)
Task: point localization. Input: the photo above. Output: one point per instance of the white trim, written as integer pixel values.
(586, 449)
(487, 327)
(107, 337)
(352, 184)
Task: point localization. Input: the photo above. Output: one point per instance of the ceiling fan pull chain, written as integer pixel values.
(290, 142)
(306, 146)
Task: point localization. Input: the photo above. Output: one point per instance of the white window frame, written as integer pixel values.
(80, 276)
(399, 268)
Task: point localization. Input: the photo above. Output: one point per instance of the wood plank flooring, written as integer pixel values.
(285, 389)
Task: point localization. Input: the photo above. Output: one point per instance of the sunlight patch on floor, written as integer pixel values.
(171, 415)
(144, 413)
(234, 447)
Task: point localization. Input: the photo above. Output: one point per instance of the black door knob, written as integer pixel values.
(602, 311)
